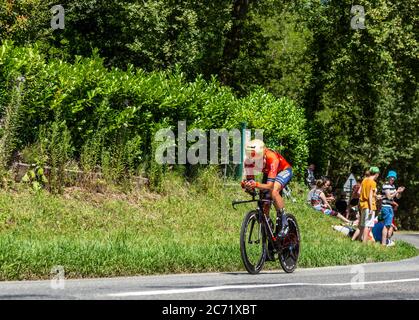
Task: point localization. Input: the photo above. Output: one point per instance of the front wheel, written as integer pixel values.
(290, 246)
(252, 243)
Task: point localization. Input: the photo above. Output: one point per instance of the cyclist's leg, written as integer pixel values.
(276, 196)
(266, 195)
(281, 181)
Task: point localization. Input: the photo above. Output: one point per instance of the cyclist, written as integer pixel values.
(277, 172)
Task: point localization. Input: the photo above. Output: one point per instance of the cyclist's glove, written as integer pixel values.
(249, 184)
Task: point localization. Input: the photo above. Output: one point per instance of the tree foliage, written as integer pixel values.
(130, 104)
(358, 88)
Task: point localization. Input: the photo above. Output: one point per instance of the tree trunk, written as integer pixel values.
(233, 40)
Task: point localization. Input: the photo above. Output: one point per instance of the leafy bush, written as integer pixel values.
(127, 106)
(60, 151)
(36, 178)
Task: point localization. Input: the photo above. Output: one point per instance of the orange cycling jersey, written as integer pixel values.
(274, 163)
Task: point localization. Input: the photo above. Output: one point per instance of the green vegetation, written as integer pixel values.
(89, 99)
(118, 111)
(358, 89)
(184, 228)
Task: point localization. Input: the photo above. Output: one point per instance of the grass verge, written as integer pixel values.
(190, 228)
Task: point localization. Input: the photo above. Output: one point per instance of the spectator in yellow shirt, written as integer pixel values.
(367, 205)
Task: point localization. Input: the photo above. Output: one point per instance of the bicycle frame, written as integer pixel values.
(261, 216)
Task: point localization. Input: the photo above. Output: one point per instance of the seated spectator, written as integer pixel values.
(341, 204)
(327, 188)
(346, 230)
(377, 232)
(319, 202)
(310, 193)
(353, 213)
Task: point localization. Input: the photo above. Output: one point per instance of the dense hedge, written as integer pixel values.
(131, 103)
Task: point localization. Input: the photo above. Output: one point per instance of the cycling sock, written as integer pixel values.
(284, 221)
(281, 213)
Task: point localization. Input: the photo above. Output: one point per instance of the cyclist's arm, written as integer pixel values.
(253, 184)
(249, 169)
(269, 185)
(265, 186)
(272, 173)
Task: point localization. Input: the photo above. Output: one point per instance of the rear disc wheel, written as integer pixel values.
(290, 246)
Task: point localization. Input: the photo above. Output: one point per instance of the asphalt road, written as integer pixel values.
(412, 238)
(389, 280)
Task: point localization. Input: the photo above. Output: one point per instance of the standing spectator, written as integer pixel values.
(310, 179)
(367, 204)
(354, 200)
(389, 194)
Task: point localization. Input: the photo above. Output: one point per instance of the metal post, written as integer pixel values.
(239, 173)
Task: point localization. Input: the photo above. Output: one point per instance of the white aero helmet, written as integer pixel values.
(255, 149)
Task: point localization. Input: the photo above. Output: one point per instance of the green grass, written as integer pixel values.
(191, 228)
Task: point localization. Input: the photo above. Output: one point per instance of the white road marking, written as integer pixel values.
(255, 286)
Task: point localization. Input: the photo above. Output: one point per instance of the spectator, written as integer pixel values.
(356, 189)
(319, 202)
(389, 194)
(367, 204)
(352, 210)
(310, 194)
(327, 188)
(310, 179)
(341, 204)
(377, 232)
